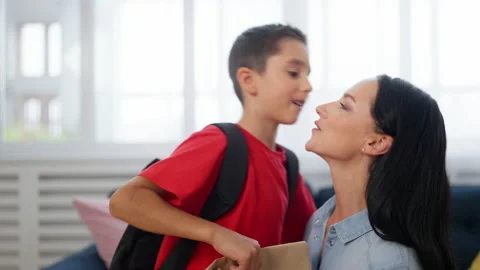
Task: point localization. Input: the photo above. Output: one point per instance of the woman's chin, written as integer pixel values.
(309, 146)
(317, 150)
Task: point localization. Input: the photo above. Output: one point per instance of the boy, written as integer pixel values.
(269, 68)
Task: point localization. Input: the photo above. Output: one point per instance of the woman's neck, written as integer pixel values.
(349, 183)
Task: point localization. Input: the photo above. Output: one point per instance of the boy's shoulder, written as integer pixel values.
(210, 133)
(209, 138)
(219, 133)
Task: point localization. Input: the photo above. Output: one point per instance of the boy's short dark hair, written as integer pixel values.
(252, 48)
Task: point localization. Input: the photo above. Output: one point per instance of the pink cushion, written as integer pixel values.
(106, 230)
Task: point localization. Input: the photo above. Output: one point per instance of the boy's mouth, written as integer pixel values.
(299, 103)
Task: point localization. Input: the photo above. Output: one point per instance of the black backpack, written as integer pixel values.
(138, 249)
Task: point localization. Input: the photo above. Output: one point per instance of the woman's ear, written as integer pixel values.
(379, 145)
(246, 80)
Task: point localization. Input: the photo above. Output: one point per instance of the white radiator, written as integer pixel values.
(9, 222)
(38, 224)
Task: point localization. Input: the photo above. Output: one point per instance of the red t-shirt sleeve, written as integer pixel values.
(299, 213)
(190, 172)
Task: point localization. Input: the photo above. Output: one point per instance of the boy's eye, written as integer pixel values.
(293, 74)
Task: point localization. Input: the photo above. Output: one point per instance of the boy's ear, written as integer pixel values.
(245, 78)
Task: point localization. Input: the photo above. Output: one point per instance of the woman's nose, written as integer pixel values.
(322, 111)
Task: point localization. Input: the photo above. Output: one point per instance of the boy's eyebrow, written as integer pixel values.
(298, 62)
(347, 95)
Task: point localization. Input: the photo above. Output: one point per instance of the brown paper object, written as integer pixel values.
(282, 257)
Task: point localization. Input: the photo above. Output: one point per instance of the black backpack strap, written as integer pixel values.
(155, 160)
(292, 168)
(137, 249)
(232, 175)
(225, 194)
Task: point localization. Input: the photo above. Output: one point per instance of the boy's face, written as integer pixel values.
(278, 93)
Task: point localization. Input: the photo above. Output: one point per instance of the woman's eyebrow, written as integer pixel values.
(347, 95)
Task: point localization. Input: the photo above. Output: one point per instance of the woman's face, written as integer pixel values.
(346, 127)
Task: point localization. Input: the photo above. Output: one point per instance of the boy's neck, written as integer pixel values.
(265, 131)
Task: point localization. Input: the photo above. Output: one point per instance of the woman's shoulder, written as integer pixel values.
(322, 213)
(319, 216)
(326, 209)
(391, 255)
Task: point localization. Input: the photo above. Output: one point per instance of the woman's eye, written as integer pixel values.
(343, 106)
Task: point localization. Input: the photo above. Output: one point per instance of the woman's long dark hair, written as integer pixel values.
(408, 193)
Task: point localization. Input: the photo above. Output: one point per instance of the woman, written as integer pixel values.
(385, 144)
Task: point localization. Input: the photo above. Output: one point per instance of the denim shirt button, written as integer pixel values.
(315, 237)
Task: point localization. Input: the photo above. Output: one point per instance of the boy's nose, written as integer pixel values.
(306, 86)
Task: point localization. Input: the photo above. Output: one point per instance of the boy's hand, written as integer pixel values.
(243, 250)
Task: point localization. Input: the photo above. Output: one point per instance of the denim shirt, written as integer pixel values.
(352, 244)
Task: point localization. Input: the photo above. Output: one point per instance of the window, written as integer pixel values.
(42, 71)
(354, 39)
(38, 46)
(32, 112)
(445, 60)
(428, 42)
(458, 52)
(32, 51)
(54, 118)
(150, 72)
(146, 91)
(54, 49)
(352, 42)
(422, 57)
(217, 24)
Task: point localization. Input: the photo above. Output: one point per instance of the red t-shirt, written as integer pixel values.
(261, 212)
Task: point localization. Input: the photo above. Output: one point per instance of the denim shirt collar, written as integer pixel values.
(350, 228)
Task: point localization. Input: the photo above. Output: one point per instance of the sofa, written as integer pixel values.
(86, 258)
(465, 231)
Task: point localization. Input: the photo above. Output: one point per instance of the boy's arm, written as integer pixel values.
(165, 198)
(141, 203)
(299, 213)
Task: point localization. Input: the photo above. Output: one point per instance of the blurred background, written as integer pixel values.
(92, 90)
